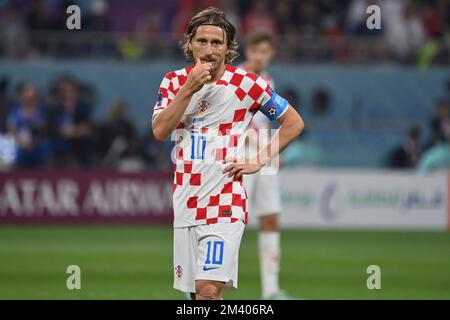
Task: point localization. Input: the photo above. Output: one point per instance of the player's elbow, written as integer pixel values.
(297, 126)
(300, 125)
(158, 133)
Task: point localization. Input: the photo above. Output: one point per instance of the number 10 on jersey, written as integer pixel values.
(198, 147)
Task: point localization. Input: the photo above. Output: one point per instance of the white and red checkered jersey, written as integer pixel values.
(210, 130)
(260, 121)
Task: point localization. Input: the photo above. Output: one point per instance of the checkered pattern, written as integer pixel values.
(260, 121)
(202, 193)
(169, 87)
(221, 207)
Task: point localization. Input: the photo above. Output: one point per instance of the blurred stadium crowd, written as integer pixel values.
(307, 31)
(55, 127)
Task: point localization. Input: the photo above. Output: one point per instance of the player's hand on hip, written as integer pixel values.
(199, 75)
(239, 168)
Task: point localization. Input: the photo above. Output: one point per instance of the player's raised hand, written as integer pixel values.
(199, 75)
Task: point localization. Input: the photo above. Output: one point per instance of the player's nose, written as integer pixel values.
(208, 50)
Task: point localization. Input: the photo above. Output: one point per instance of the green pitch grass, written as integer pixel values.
(135, 263)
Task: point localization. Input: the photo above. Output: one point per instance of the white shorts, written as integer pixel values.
(264, 194)
(206, 252)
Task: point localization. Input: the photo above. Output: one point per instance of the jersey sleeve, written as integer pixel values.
(165, 95)
(271, 104)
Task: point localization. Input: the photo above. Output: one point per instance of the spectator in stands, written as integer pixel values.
(4, 104)
(407, 155)
(27, 124)
(259, 18)
(151, 28)
(116, 138)
(231, 10)
(38, 18)
(14, 32)
(158, 154)
(71, 119)
(357, 17)
(131, 47)
(285, 17)
(309, 19)
(440, 123)
(406, 35)
(187, 9)
(98, 18)
(431, 21)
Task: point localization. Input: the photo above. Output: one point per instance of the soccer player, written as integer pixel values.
(263, 190)
(208, 106)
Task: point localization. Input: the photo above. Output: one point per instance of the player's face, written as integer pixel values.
(259, 55)
(210, 46)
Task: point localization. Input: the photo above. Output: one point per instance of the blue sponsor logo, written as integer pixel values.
(417, 200)
(205, 268)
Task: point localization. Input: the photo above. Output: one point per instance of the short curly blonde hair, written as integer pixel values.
(215, 17)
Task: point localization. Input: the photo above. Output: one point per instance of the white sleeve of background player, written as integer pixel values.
(272, 105)
(165, 95)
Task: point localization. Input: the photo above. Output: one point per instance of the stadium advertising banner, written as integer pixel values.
(85, 196)
(310, 198)
(363, 199)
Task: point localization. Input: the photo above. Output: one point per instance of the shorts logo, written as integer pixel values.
(179, 272)
(205, 268)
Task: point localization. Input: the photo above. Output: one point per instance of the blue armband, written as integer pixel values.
(275, 107)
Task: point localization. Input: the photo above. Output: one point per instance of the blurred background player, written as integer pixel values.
(263, 189)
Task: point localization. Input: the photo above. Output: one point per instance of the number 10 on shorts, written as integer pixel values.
(216, 256)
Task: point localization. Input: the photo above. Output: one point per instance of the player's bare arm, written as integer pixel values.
(165, 122)
(291, 126)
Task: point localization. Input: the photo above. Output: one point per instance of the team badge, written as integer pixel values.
(179, 272)
(203, 105)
